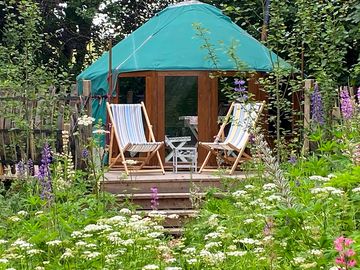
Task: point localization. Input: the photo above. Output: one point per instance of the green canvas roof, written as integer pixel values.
(168, 42)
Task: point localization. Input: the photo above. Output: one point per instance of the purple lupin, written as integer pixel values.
(317, 110)
(346, 104)
(44, 174)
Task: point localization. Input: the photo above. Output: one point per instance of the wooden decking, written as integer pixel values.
(176, 192)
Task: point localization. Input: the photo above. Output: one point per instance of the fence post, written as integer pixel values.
(309, 83)
(84, 132)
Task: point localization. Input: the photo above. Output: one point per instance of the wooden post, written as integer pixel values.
(309, 83)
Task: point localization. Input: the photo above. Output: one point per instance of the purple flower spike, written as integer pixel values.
(85, 153)
(44, 175)
(317, 106)
(154, 198)
(20, 168)
(346, 104)
(30, 167)
(292, 160)
(239, 82)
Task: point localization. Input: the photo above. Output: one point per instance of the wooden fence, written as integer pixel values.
(21, 139)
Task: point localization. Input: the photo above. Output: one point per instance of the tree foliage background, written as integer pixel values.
(327, 32)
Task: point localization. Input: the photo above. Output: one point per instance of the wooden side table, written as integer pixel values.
(189, 154)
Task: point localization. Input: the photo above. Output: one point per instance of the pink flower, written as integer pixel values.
(340, 260)
(351, 263)
(346, 254)
(348, 242)
(349, 253)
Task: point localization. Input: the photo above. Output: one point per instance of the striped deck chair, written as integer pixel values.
(244, 117)
(128, 131)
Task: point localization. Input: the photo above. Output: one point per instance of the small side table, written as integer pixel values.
(189, 154)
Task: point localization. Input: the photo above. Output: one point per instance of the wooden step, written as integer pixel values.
(163, 185)
(177, 232)
(166, 200)
(174, 218)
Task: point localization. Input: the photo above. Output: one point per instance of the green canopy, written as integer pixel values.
(168, 42)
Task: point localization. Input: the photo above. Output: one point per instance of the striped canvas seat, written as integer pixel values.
(130, 128)
(129, 133)
(243, 118)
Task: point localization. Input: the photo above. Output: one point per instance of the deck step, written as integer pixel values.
(174, 231)
(163, 185)
(166, 201)
(174, 217)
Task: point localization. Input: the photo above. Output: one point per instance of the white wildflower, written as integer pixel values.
(125, 211)
(21, 244)
(154, 234)
(239, 193)
(54, 243)
(173, 216)
(315, 252)
(85, 120)
(308, 265)
(212, 258)
(236, 253)
(283, 244)
(329, 190)
(14, 219)
(173, 268)
(212, 235)
(150, 267)
(212, 244)
(356, 190)
(22, 213)
(191, 261)
(319, 178)
(249, 187)
(39, 268)
(269, 186)
(3, 260)
(80, 244)
(189, 250)
(135, 218)
(91, 255)
(119, 220)
(232, 247)
(213, 220)
(268, 238)
(76, 234)
(91, 245)
(248, 241)
(67, 254)
(128, 242)
(2, 241)
(38, 213)
(272, 198)
(34, 251)
(249, 220)
(298, 260)
(97, 228)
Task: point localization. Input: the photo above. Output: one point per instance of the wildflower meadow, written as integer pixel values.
(66, 201)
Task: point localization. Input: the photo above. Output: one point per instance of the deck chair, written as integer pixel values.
(244, 117)
(128, 131)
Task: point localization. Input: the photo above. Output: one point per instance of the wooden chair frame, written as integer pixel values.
(221, 137)
(121, 155)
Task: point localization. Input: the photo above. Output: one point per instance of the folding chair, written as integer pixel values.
(244, 117)
(128, 131)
